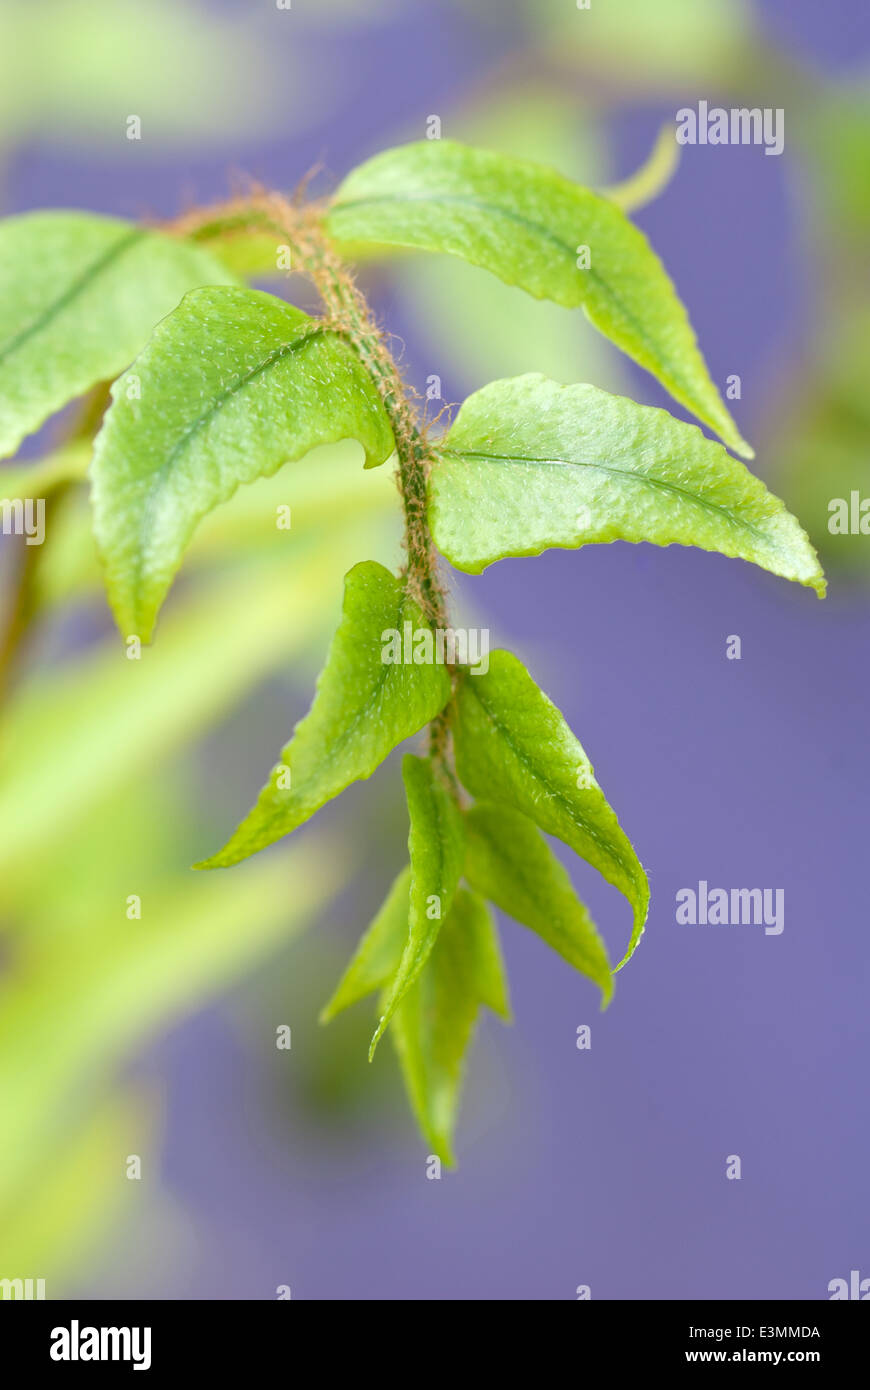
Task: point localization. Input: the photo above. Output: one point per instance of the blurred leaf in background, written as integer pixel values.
(835, 132)
(73, 74)
(820, 440)
(197, 75)
(634, 43)
(818, 427)
(99, 792)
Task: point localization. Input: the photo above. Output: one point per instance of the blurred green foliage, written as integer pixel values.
(82, 984)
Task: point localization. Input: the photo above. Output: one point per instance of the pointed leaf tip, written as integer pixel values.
(365, 705)
(533, 228)
(433, 1026)
(436, 844)
(530, 464)
(231, 386)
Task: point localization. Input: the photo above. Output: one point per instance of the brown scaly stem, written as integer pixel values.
(348, 313)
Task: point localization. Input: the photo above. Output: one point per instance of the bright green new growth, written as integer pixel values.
(232, 384)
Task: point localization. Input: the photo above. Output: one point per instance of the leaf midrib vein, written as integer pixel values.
(88, 275)
(158, 475)
(540, 230)
(429, 933)
(504, 732)
(371, 702)
(639, 478)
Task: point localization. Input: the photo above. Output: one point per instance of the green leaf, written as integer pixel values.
(377, 956)
(530, 464)
(482, 327)
(526, 224)
(59, 737)
(364, 706)
(510, 862)
(514, 747)
(433, 1026)
(231, 386)
(79, 295)
(436, 844)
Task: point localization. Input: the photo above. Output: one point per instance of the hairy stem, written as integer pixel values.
(348, 312)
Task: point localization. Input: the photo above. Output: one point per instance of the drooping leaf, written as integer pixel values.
(532, 227)
(530, 464)
(79, 295)
(509, 862)
(364, 706)
(231, 386)
(514, 747)
(377, 956)
(433, 1025)
(436, 844)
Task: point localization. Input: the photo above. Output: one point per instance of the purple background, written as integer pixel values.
(605, 1167)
